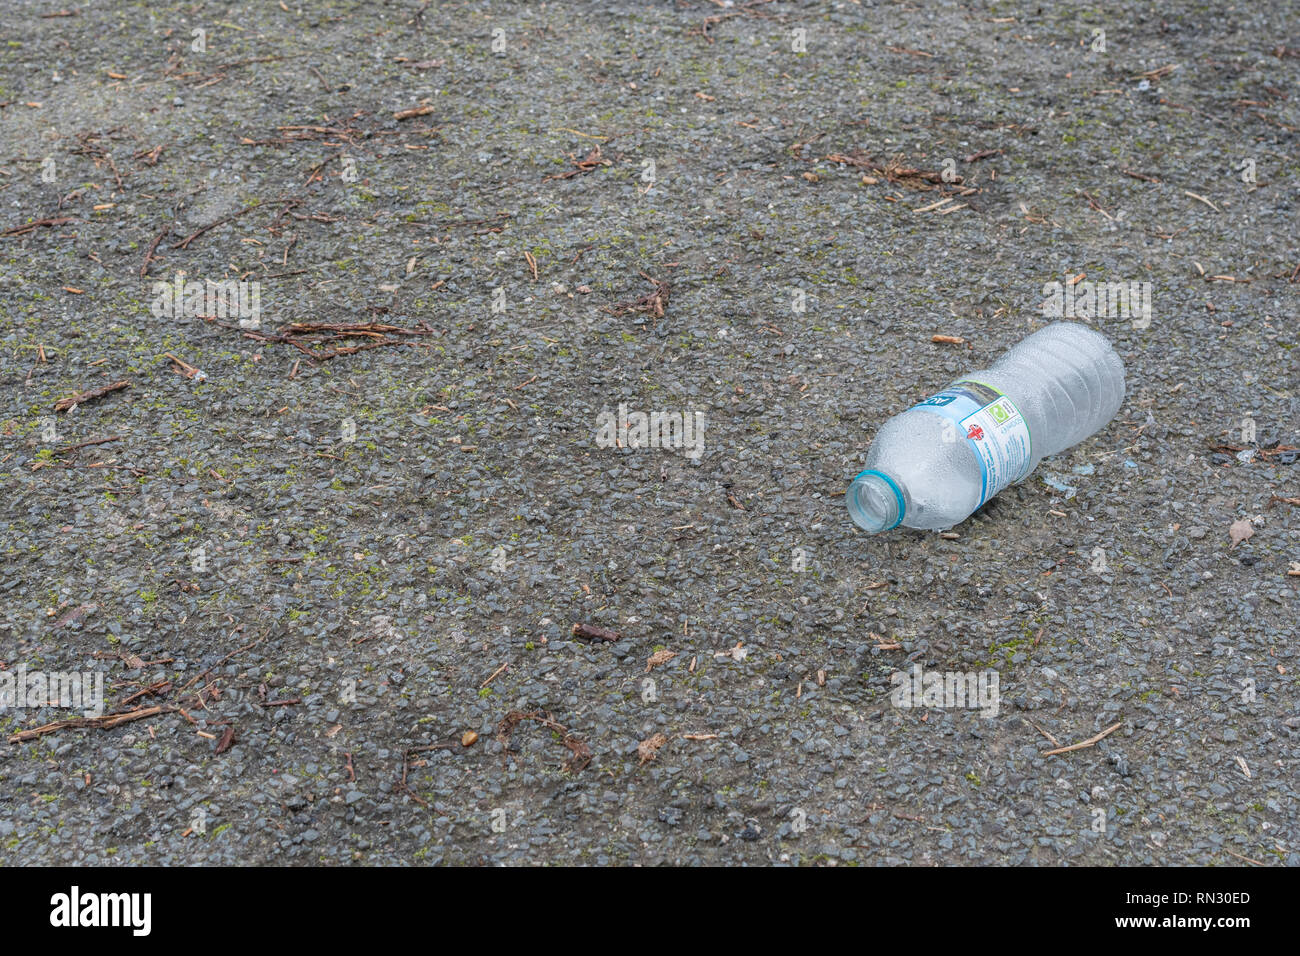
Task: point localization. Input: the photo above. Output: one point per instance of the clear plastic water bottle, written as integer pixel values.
(931, 466)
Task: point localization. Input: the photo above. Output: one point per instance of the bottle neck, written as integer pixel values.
(876, 502)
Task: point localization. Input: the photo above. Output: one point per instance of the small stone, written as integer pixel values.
(469, 739)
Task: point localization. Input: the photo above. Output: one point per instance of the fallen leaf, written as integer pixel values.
(648, 749)
(1239, 531)
(657, 658)
(73, 615)
(227, 741)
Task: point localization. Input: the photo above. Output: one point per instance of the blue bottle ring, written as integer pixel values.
(898, 494)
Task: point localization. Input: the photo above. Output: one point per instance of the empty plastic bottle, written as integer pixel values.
(931, 466)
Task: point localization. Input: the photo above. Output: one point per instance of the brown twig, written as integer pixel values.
(1246, 858)
(104, 441)
(902, 49)
(184, 243)
(150, 156)
(157, 690)
(1141, 176)
(894, 171)
(35, 224)
(593, 160)
(239, 650)
(595, 633)
(1086, 743)
(81, 398)
(185, 368)
(1055, 742)
(413, 112)
(302, 334)
(1262, 452)
(579, 753)
(106, 722)
(153, 247)
(652, 303)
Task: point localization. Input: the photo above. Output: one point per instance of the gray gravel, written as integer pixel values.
(371, 590)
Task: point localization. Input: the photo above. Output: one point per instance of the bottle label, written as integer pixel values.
(992, 425)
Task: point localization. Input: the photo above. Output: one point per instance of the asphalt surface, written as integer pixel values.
(326, 569)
